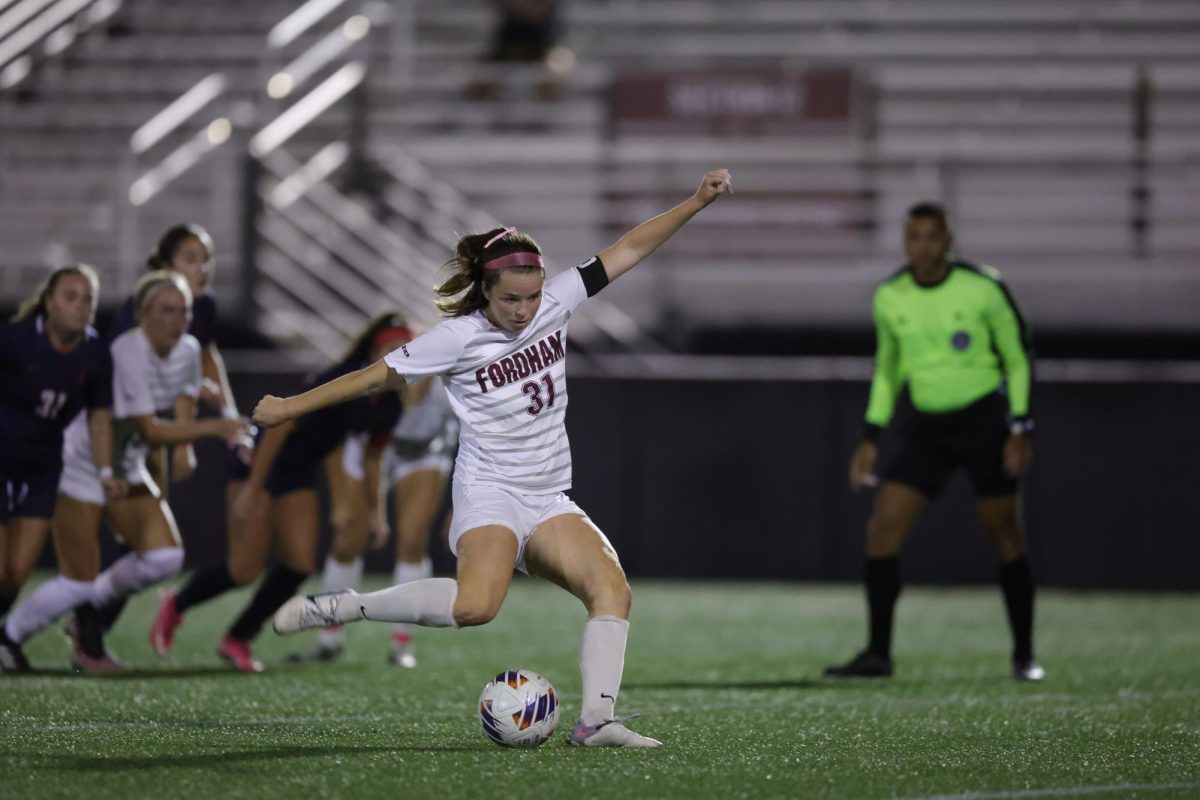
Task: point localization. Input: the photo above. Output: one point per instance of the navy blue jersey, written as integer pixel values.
(42, 389)
(316, 435)
(203, 325)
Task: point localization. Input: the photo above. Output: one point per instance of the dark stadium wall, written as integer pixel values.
(748, 480)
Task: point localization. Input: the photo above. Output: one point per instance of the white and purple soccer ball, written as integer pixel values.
(518, 708)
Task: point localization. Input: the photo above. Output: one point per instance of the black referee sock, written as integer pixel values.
(1017, 584)
(203, 586)
(883, 587)
(276, 589)
(87, 631)
(107, 616)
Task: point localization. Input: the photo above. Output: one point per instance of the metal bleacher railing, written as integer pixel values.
(32, 29)
(315, 260)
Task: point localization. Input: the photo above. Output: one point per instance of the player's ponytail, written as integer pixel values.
(36, 303)
(462, 292)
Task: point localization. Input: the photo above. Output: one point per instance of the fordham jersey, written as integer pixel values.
(508, 389)
(42, 389)
(144, 383)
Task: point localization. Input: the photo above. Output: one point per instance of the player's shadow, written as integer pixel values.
(795, 683)
(209, 760)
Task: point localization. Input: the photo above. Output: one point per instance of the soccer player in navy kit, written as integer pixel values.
(52, 365)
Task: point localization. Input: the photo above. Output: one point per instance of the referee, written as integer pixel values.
(951, 330)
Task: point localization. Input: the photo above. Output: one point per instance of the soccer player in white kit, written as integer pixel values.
(501, 356)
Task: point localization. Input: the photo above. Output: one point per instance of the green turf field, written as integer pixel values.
(726, 674)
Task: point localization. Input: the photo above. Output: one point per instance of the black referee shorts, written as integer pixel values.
(935, 445)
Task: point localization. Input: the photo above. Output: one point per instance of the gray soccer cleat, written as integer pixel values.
(609, 733)
(306, 611)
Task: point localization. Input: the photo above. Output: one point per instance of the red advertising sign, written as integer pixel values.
(748, 102)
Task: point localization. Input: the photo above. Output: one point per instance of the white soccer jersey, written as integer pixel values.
(426, 419)
(508, 390)
(143, 383)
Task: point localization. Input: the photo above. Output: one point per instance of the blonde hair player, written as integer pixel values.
(501, 357)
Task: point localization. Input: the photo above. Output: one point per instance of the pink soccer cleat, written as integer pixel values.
(162, 632)
(237, 653)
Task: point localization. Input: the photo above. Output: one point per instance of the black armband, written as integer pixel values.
(595, 277)
(872, 432)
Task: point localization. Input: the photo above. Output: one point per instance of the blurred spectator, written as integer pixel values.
(526, 32)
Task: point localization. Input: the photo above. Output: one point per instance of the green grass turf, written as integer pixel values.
(726, 674)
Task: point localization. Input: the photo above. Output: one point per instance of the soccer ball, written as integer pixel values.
(518, 708)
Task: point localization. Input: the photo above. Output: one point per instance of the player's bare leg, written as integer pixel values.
(21, 540)
(485, 562)
(572, 552)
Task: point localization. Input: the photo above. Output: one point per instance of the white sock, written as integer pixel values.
(428, 602)
(45, 604)
(337, 576)
(404, 572)
(133, 572)
(601, 662)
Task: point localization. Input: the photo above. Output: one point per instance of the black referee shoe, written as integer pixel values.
(864, 665)
(1028, 670)
(12, 657)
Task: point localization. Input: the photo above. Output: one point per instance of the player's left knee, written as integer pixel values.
(612, 596)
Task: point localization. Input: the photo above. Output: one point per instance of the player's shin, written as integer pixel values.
(601, 662)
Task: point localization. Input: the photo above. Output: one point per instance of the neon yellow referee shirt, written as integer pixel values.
(953, 343)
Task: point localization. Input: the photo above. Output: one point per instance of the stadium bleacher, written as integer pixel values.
(1022, 118)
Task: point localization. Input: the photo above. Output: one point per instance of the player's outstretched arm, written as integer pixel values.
(621, 256)
(273, 410)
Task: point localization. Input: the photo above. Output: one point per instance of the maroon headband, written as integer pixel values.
(515, 260)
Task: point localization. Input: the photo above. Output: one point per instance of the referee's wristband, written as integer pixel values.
(1021, 426)
(872, 432)
(106, 473)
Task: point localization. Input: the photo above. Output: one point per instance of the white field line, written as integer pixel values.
(1066, 791)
